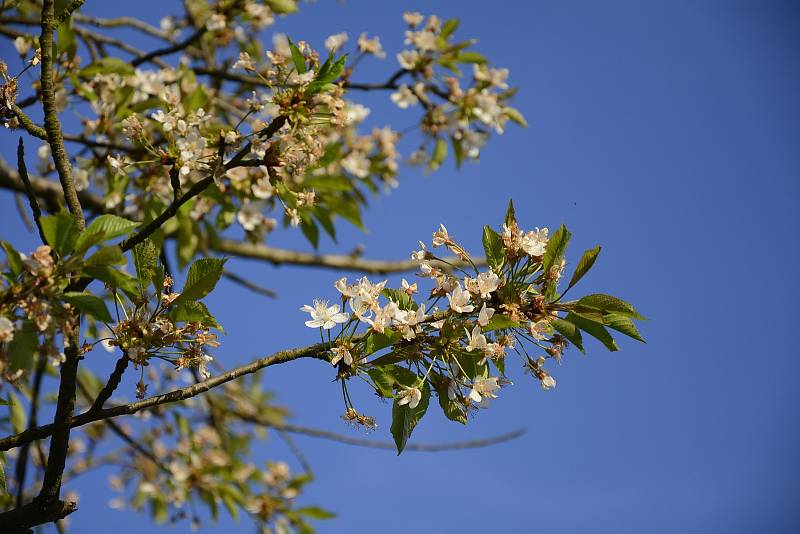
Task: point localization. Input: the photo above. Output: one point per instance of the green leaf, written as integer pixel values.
(585, 263)
(90, 304)
(202, 278)
(569, 331)
(3, 484)
(404, 419)
(594, 329)
(87, 240)
(107, 65)
(453, 410)
(145, 259)
(624, 324)
(448, 28)
(193, 312)
(609, 304)
(515, 116)
(114, 278)
(18, 419)
(493, 247)
(111, 226)
(22, 348)
(328, 73)
(399, 297)
(439, 153)
(196, 99)
(315, 512)
(107, 256)
(298, 58)
(511, 216)
(282, 7)
(471, 57)
(14, 259)
(309, 229)
(556, 247)
(376, 341)
(384, 381)
(60, 232)
(500, 322)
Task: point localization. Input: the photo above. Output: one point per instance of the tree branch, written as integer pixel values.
(112, 384)
(32, 200)
(247, 284)
(90, 416)
(327, 261)
(51, 123)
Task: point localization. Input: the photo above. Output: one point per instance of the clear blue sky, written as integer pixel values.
(668, 132)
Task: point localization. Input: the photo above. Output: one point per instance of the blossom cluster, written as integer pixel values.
(456, 340)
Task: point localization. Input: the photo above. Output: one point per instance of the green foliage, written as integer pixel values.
(405, 419)
(493, 248)
(89, 304)
(201, 280)
(22, 348)
(586, 262)
(60, 232)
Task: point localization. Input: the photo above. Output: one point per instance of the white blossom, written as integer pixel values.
(534, 243)
(410, 396)
(404, 97)
(483, 390)
(548, 383)
(460, 300)
(6, 329)
(336, 41)
(484, 315)
(323, 315)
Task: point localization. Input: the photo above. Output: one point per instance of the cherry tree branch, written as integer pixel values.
(312, 351)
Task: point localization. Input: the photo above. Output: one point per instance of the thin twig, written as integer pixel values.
(235, 278)
(32, 200)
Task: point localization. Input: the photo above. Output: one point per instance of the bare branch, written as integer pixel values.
(90, 416)
(328, 261)
(32, 200)
(235, 278)
(52, 125)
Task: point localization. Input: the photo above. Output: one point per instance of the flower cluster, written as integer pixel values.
(457, 340)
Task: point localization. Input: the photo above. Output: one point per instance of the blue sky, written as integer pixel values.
(668, 132)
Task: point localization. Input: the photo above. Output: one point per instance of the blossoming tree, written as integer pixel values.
(212, 141)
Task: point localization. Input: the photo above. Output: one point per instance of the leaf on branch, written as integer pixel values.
(60, 232)
(609, 304)
(22, 348)
(586, 262)
(493, 247)
(111, 226)
(89, 304)
(202, 278)
(594, 329)
(405, 419)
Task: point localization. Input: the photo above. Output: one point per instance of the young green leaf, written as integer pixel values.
(624, 324)
(511, 216)
(609, 304)
(585, 263)
(22, 348)
(202, 278)
(298, 58)
(145, 259)
(404, 419)
(569, 331)
(493, 247)
(107, 256)
(89, 304)
(556, 247)
(453, 410)
(60, 232)
(439, 153)
(594, 329)
(13, 258)
(111, 225)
